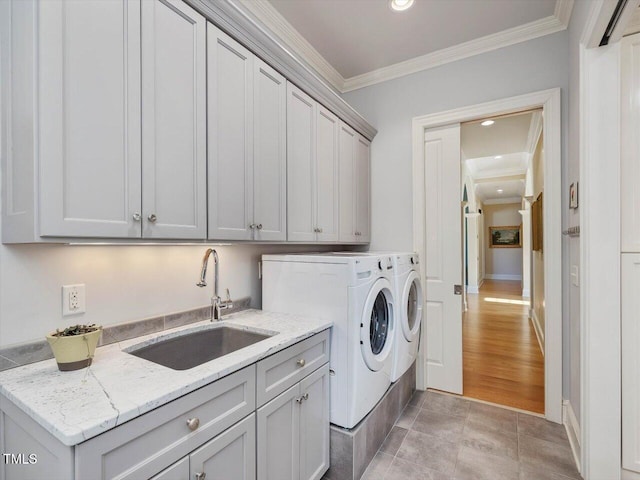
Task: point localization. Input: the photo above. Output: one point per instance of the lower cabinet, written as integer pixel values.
(293, 431)
(630, 285)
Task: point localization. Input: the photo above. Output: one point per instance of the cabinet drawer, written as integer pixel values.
(284, 369)
(144, 446)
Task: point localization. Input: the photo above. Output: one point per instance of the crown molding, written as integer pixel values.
(274, 21)
(512, 36)
(563, 11)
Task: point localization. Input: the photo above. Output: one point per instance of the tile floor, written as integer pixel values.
(441, 437)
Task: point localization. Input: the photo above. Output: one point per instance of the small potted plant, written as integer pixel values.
(74, 346)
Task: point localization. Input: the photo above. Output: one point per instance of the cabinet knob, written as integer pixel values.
(152, 218)
(305, 396)
(136, 217)
(259, 226)
(252, 226)
(301, 362)
(319, 230)
(200, 476)
(193, 424)
(357, 234)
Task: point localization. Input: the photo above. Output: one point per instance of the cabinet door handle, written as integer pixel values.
(259, 226)
(200, 476)
(319, 230)
(302, 398)
(252, 226)
(193, 423)
(137, 217)
(152, 218)
(305, 396)
(301, 363)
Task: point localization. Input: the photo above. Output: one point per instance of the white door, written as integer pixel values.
(363, 195)
(443, 261)
(347, 159)
(269, 153)
(89, 130)
(174, 121)
(326, 177)
(301, 138)
(230, 118)
(314, 424)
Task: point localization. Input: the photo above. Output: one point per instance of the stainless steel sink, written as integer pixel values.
(193, 349)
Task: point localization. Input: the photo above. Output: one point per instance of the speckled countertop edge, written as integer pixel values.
(79, 405)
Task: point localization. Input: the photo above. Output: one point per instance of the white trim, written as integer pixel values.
(572, 427)
(501, 201)
(629, 475)
(502, 276)
(477, 46)
(473, 289)
(526, 293)
(274, 21)
(535, 321)
(265, 13)
(535, 130)
(549, 100)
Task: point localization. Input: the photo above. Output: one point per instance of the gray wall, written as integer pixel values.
(531, 66)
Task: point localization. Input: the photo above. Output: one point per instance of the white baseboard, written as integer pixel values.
(502, 276)
(526, 293)
(538, 330)
(629, 475)
(572, 426)
(473, 289)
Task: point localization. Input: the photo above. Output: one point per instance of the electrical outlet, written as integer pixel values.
(73, 299)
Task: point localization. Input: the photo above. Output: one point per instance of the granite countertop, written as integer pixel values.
(76, 406)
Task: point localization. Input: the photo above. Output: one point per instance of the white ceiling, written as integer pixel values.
(357, 42)
(511, 140)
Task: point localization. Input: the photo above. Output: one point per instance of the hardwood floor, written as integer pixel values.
(502, 359)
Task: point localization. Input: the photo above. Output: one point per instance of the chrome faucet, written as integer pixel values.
(217, 304)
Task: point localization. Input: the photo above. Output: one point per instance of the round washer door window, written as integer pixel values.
(377, 325)
(413, 304)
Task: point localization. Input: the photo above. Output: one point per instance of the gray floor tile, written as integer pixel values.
(407, 417)
(417, 398)
(394, 440)
(446, 404)
(476, 465)
(527, 473)
(378, 467)
(541, 428)
(403, 470)
(544, 456)
(440, 425)
(491, 440)
(429, 451)
(494, 417)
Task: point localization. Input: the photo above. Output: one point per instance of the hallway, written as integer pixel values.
(502, 360)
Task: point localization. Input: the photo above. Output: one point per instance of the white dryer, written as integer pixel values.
(357, 294)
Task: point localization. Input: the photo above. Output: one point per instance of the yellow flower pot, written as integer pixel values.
(76, 351)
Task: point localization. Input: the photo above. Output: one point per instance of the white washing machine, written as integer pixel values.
(409, 309)
(357, 294)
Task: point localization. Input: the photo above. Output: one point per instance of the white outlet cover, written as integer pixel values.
(68, 292)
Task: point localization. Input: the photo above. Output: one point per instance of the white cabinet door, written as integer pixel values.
(630, 361)
(174, 142)
(630, 145)
(347, 158)
(326, 175)
(177, 471)
(230, 118)
(363, 193)
(89, 128)
(314, 425)
(301, 185)
(278, 437)
(269, 153)
(230, 455)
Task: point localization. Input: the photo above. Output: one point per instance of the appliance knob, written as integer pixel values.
(380, 264)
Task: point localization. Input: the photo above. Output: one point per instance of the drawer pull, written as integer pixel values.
(200, 476)
(193, 424)
(301, 362)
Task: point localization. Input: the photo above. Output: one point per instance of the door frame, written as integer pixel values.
(549, 101)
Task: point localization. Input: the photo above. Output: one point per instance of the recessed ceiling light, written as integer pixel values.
(500, 190)
(487, 123)
(498, 157)
(400, 5)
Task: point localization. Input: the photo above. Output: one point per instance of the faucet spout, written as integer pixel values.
(217, 304)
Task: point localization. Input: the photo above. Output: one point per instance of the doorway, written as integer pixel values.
(438, 234)
(501, 176)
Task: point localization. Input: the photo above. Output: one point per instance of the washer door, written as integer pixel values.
(412, 301)
(377, 324)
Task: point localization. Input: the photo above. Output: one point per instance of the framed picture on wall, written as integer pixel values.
(505, 237)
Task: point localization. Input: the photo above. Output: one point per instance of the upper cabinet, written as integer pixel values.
(247, 143)
(119, 114)
(630, 145)
(312, 169)
(354, 186)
